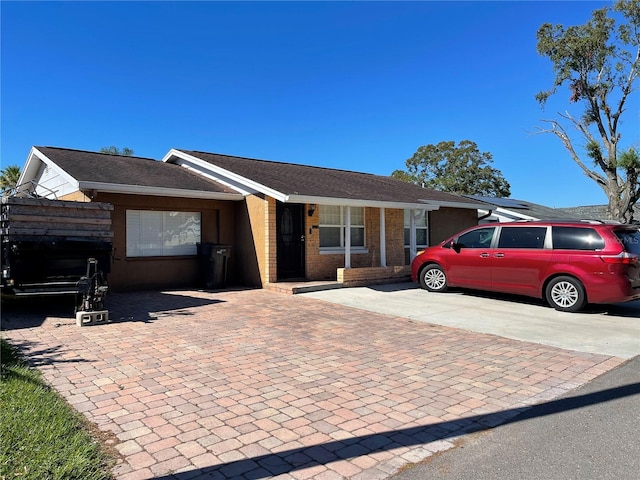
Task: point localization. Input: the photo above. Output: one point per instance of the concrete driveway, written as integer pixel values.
(254, 384)
(609, 330)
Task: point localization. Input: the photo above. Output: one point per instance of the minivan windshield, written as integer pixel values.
(630, 240)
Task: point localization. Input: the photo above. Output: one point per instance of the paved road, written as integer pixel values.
(612, 330)
(590, 433)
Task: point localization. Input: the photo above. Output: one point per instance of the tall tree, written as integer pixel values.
(599, 63)
(9, 179)
(458, 169)
(113, 150)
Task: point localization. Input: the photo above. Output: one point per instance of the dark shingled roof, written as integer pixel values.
(303, 180)
(124, 170)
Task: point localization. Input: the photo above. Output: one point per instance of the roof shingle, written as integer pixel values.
(127, 170)
(295, 179)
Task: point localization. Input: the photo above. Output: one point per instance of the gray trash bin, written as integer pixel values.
(213, 259)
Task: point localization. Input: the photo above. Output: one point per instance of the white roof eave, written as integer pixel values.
(350, 202)
(158, 191)
(220, 175)
(471, 206)
(32, 166)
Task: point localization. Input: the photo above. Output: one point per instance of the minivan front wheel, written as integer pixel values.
(566, 294)
(433, 278)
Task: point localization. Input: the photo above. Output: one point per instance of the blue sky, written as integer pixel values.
(352, 85)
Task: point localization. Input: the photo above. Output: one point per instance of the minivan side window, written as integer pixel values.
(522, 237)
(576, 238)
(479, 238)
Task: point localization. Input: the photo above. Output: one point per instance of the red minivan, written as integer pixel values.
(567, 263)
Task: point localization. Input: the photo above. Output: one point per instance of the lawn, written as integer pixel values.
(41, 436)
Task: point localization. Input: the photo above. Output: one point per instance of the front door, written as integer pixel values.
(290, 240)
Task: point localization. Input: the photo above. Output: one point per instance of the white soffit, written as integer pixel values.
(157, 191)
(350, 202)
(472, 206)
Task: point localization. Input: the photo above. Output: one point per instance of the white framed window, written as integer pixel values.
(422, 229)
(333, 225)
(152, 233)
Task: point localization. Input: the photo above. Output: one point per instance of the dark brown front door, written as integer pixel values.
(290, 240)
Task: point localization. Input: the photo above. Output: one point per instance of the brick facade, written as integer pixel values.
(324, 266)
(249, 227)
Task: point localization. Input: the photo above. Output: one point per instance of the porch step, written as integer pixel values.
(302, 287)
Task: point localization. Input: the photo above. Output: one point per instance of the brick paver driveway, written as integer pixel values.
(255, 384)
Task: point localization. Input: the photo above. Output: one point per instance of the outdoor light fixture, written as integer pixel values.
(312, 209)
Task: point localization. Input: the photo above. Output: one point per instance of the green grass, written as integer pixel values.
(41, 436)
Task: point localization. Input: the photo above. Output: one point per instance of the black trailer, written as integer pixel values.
(56, 247)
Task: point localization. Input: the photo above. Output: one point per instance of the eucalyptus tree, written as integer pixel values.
(597, 65)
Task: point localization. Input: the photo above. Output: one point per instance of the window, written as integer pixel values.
(421, 228)
(478, 238)
(153, 233)
(576, 238)
(332, 226)
(522, 237)
(422, 238)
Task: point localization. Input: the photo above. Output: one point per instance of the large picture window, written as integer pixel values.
(333, 224)
(162, 234)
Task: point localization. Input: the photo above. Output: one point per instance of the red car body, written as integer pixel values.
(569, 263)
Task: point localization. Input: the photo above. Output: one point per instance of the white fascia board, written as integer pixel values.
(28, 167)
(472, 206)
(349, 202)
(158, 191)
(500, 217)
(32, 166)
(220, 175)
(515, 215)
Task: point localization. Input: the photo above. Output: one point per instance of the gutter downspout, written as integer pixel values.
(485, 216)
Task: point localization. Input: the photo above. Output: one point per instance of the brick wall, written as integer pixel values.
(136, 273)
(76, 196)
(355, 277)
(322, 266)
(271, 271)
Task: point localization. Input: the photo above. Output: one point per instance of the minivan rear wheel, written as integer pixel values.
(566, 294)
(433, 278)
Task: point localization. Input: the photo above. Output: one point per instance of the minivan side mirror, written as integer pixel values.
(453, 244)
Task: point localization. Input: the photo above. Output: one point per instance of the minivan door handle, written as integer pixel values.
(499, 255)
(484, 255)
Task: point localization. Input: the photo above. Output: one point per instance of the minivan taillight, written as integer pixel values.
(624, 258)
